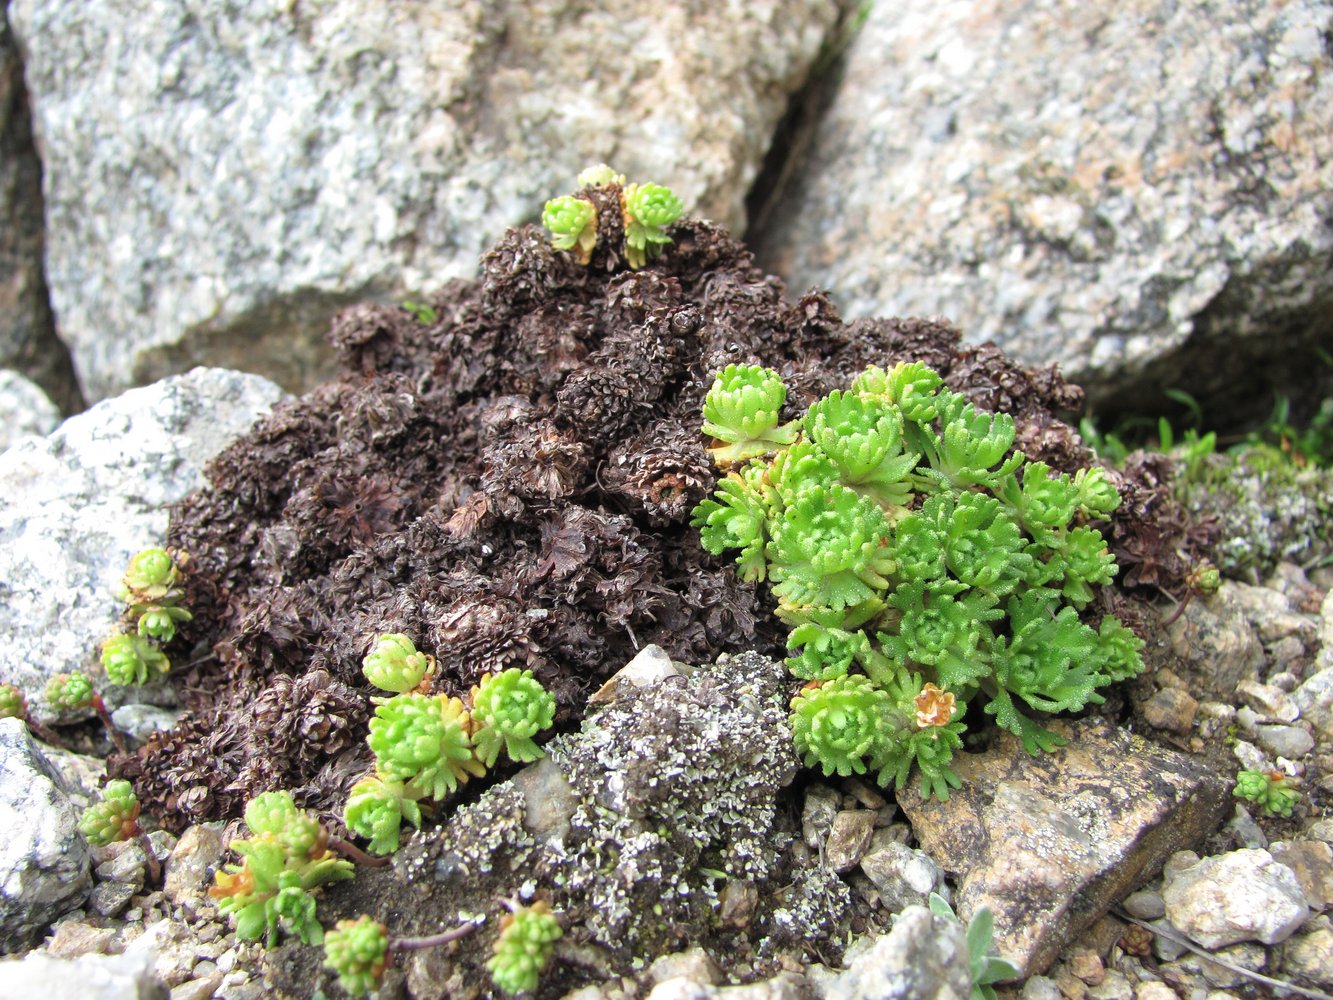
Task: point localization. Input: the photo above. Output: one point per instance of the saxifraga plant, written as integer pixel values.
(151, 591)
(920, 563)
(425, 746)
(527, 938)
(1269, 790)
(361, 950)
(284, 860)
(646, 210)
(115, 818)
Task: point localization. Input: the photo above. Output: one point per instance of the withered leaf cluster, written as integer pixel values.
(510, 486)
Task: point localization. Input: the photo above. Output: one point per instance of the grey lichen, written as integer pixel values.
(1269, 509)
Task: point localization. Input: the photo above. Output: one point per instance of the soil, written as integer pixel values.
(510, 484)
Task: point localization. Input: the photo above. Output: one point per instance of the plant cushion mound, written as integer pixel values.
(508, 478)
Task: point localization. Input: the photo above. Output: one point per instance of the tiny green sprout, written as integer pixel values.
(158, 621)
(376, 808)
(394, 664)
(424, 742)
(358, 950)
(150, 576)
(1204, 578)
(741, 412)
(115, 818)
(523, 949)
(573, 224)
(12, 703)
(511, 707)
(422, 312)
(1269, 790)
(599, 176)
(69, 692)
(647, 208)
(986, 969)
(129, 660)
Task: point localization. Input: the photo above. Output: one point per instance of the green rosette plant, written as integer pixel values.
(159, 621)
(114, 818)
(508, 709)
(394, 664)
(151, 576)
(649, 209)
(424, 742)
(573, 224)
(130, 660)
(376, 808)
(69, 692)
(358, 951)
(1271, 791)
(524, 947)
(283, 861)
(741, 412)
(915, 555)
(12, 703)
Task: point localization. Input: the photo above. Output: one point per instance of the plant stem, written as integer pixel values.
(150, 859)
(99, 706)
(414, 944)
(356, 854)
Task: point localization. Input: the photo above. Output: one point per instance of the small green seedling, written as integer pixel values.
(284, 860)
(986, 968)
(73, 692)
(527, 939)
(508, 710)
(1271, 791)
(573, 225)
(116, 818)
(423, 313)
(361, 950)
(649, 209)
(394, 664)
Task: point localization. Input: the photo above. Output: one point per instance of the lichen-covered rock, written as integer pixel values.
(270, 163)
(1267, 509)
(1241, 896)
(76, 505)
(44, 861)
(662, 789)
(1108, 188)
(1050, 843)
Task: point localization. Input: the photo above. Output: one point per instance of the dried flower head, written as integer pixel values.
(934, 706)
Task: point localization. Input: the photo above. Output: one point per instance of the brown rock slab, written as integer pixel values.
(1050, 843)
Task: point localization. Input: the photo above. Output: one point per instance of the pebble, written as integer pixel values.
(1154, 990)
(1245, 832)
(1251, 758)
(821, 805)
(1231, 898)
(1171, 710)
(695, 965)
(849, 838)
(186, 871)
(109, 899)
(200, 988)
(73, 938)
(902, 875)
(1145, 904)
(1310, 957)
(1291, 742)
(1087, 966)
(1267, 700)
(864, 794)
(1311, 861)
(1115, 986)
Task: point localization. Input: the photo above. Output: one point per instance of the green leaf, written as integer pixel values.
(980, 929)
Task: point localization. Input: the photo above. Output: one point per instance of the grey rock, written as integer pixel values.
(903, 876)
(693, 765)
(1268, 700)
(1036, 172)
(1244, 831)
(1194, 967)
(72, 938)
(848, 838)
(268, 168)
(128, 976)
(1145, 904)
(1291, 742)
(1114, 987)
(1325, 632)
(109, 899)
(25, 410)
(44, 863)
(140, 721)
(1315, 700)
(817, 814)
(80, 775)
(1217, 644)
(28, 340)
(1309, 957)
(1250, 756)
(1241, 896)
(924, 957)
(76, 505)
(1311, 861)
(1041, 988)
(1050, 843)
(696, 965)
